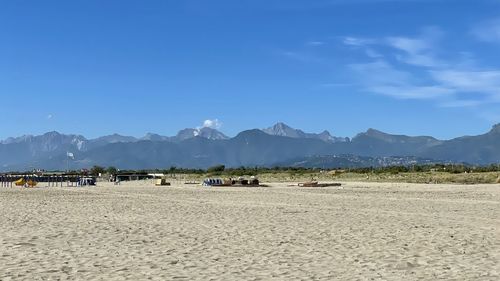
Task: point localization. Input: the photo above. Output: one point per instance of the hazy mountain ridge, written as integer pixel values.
(283, 130)
(248, 148)
(48, 142)
(376, 143)
(207, 133)
(355, 161)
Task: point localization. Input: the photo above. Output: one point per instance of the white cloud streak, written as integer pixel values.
(382, 78)
(212, 124)
(358, 42)
(315, 43)
(452, 83)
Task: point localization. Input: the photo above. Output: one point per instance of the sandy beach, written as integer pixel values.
(362, 231)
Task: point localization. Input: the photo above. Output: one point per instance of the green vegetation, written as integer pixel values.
(424, 177)
(111, 170)
(445, 168)
(216, 170)
(436, 173)
(96, 170)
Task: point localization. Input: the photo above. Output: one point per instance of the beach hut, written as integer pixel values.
(86, 181)
(162, 182)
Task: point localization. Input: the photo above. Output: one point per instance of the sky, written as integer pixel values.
(97, 67)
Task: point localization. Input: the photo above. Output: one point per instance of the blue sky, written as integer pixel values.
(131, 67)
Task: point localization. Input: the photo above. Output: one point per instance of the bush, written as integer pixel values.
(111, 170)
(216, 169)
(96, 170)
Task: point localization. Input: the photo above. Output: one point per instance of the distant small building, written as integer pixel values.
(133, 176)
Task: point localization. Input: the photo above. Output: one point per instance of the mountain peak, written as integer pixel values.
(115, 138)
(211, 134)
(205, 132)
(283, 130)
(281, 125)
(495, 129)
(154, 137)
(326, 134)
(52, 134)
(372, 131)
(253, 147)
(376, 134)
(11, 140)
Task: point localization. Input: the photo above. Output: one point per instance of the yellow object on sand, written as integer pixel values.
(20, 182)
(31, 183)
(23, 182)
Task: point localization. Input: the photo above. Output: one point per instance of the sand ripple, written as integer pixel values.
(361, 232)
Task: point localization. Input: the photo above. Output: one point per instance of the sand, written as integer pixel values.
(364, 231)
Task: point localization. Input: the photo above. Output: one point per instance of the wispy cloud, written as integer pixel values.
(362, 43)
(381, 73)
(415, 52)
(461, 103)
(358, 42)
(372, 53)
(413, 69)
(211, 123)
(315, 43)
(382, 78)
(472, 81)
(487, 31)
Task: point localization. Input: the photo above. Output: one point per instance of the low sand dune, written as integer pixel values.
(364, 231)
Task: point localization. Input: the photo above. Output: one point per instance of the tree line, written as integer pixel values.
(220, 170)
(253, 171)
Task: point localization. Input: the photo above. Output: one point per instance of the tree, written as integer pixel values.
(96, 170)
(111, 170)
(216, 169)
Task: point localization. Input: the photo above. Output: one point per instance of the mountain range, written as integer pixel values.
(283, 130)
(277, 145)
